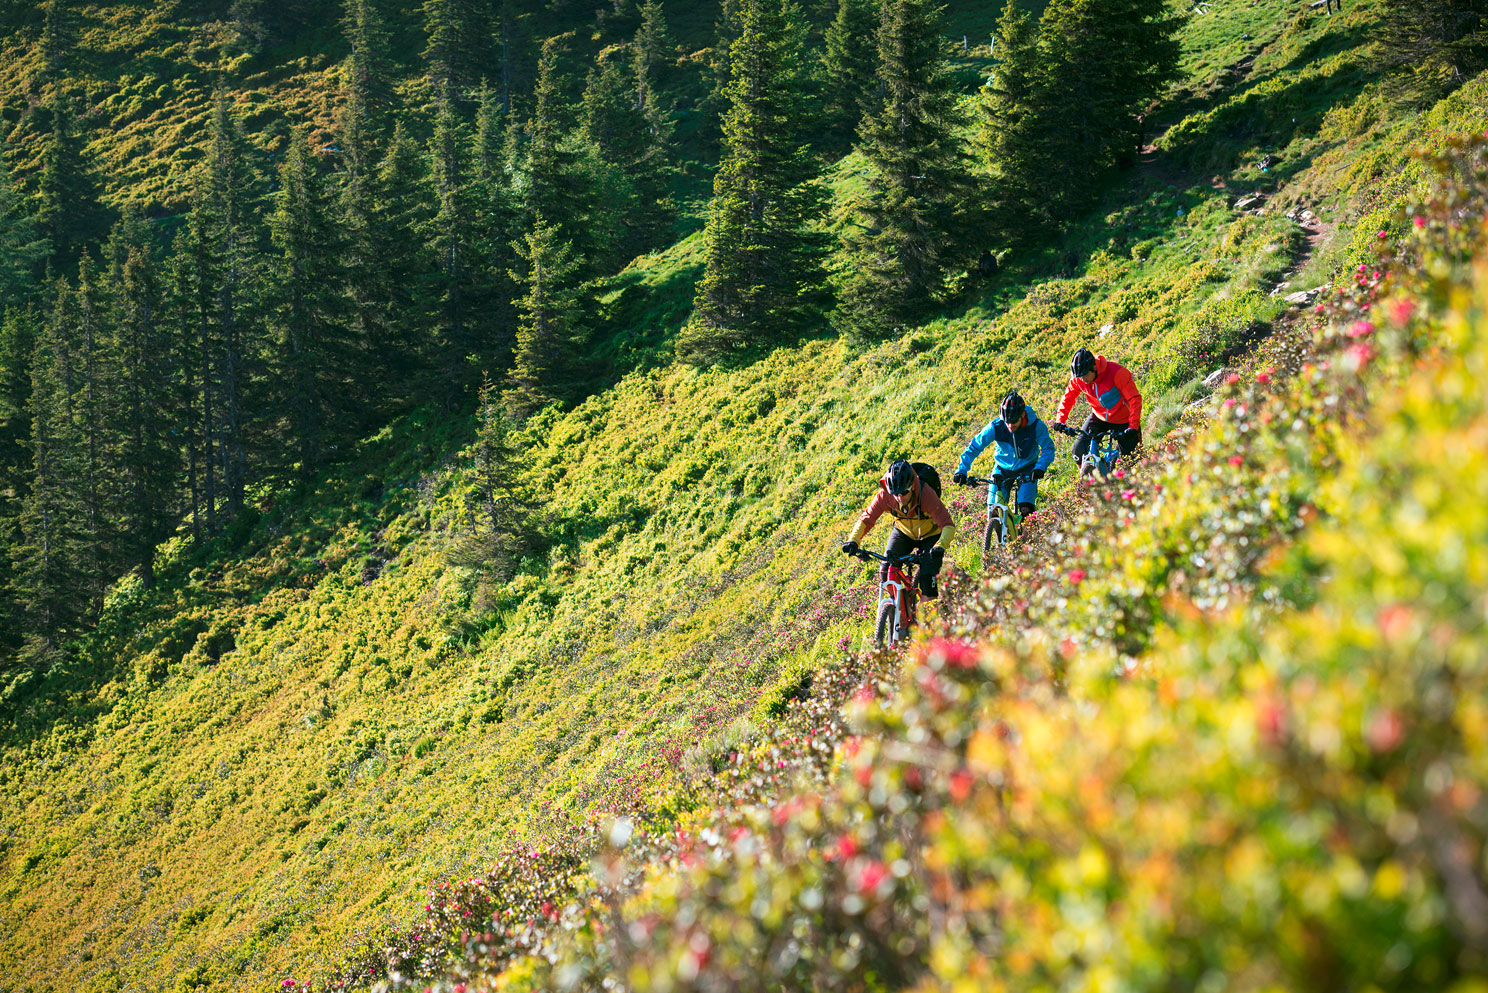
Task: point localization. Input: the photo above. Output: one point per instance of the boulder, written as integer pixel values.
(1107, 329)
(1216, 377)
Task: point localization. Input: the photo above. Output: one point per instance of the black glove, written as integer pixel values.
(1038, 474)
(933, 559)
(850, 547)
(1131, 439)
(959, 479)
(998, 479)
(1064, 428)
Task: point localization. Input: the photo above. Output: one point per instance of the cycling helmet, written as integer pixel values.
(1013, 408)
(899, 477)
(1082, 363)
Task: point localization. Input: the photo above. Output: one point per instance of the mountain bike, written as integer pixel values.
(1104, 452)
(897, 597)
(1003, 519)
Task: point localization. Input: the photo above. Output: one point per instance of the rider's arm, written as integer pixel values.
(881, 502)
(1129, 393)
(1071, 394)
(946, 534)
(975, 446)
(1046, 446)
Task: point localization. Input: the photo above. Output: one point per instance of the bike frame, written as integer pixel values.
(1004, 497)
(898, 587)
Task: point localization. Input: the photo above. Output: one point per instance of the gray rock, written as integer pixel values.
(1216, 377)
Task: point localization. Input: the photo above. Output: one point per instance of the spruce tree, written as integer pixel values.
(190, 310)
(1436, 45)
(763, 273)
(549, 333)
(1106, 61)
(458, 33)
(52, 562)
(502, 505)
(22, 247)
(226, 201)
(451, 233)
(1016, 132)
(91, 409)
(630, 132)
(58, 40)
(494, 205)
(850, 65)
(918, 219)
(144, 408)
(366, 81)
(306, 294)
(67, 211)
(404, 211)
(653, 60)
(717, 75)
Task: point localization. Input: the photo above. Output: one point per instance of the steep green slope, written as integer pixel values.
(295, 730)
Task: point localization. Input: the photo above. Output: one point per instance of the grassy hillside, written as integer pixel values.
(300, 727)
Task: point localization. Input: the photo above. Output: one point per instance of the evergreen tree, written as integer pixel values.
(58, 40)
(653, 60)
(366, 83)
(67, 211)
(246, 28)
(630, 132)
(90, 407)
(493, 230)
(763, 273)
(1436, 44)
(145, 413)
(17, 339)
(549, 334)
(404, 212)
(458, 33)
(502, 503)
(306, 294)
(851, 70)
(1015, 135)
(569, 184)
(52, 562)
(717, 75)
(918, 218)
(1106, 61)
(450, 236)
(22, 248)
(194, 271)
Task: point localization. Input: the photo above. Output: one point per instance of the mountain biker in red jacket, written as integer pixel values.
(1115, 404)
(921, 523)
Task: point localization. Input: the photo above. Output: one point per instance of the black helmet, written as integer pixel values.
(1082, 363)
(1013, 408)
(899, 477)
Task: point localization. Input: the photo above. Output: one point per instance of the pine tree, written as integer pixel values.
(306, 292)
(631, 133)
(226, 197)
(653, 59)
(850, 66)
(17, 339)
(22, 248)
(495, 209)
(366, 83)
(718, 74)
(58, 40)
(1106, 60)
(918, 218)
(67, 211)
(144, 410)
(194, 270)
(246, 28)
(569, 183)
(451, 233)
(1015, 134)
(764, 262)
(502, 504)
(458, 41)
(90, 405)
(549, 334)
(1437, 45)
(52, 562)
(404, 212)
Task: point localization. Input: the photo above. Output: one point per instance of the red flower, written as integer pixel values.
(846, 848)
(871, 875)
(1361, 329)
(960, 785)
(1385, 731)
(1077, 576)
(1232, 379)
(945, 653)
(1420, 222)
(1236, 460)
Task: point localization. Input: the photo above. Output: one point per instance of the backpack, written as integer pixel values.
(928, 476)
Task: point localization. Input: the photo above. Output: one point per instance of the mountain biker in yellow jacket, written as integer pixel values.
(921, 523)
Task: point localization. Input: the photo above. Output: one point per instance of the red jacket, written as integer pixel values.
(1113, 396)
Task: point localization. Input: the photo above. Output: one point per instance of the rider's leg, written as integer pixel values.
(899, 544)
(1127, 445)
(1082, 443)
(930, 571)
(1027, 497)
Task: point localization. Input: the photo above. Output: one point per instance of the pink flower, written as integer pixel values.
(943, 652)
(1128, 494)
(846, 848)
(1236, 460)
(1361, 329)
(1383, 236)
(1385, 731)
(1263, 377)
(1318, 309)
(1401, 311)
(1077, 576)
(1232, 379)
(1360, 354)
(871, 875)
(1420, 222)
(1119, 473)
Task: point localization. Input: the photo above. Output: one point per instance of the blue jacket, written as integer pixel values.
(1016, 450)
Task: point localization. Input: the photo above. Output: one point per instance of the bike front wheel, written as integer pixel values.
(884, 632)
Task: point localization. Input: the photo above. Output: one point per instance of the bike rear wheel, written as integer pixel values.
(884, 633)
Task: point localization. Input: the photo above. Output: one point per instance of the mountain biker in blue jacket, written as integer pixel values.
(1023, 442)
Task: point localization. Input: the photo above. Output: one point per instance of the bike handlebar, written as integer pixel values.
(1065, 429)
(913, 558)
(1020, 475)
